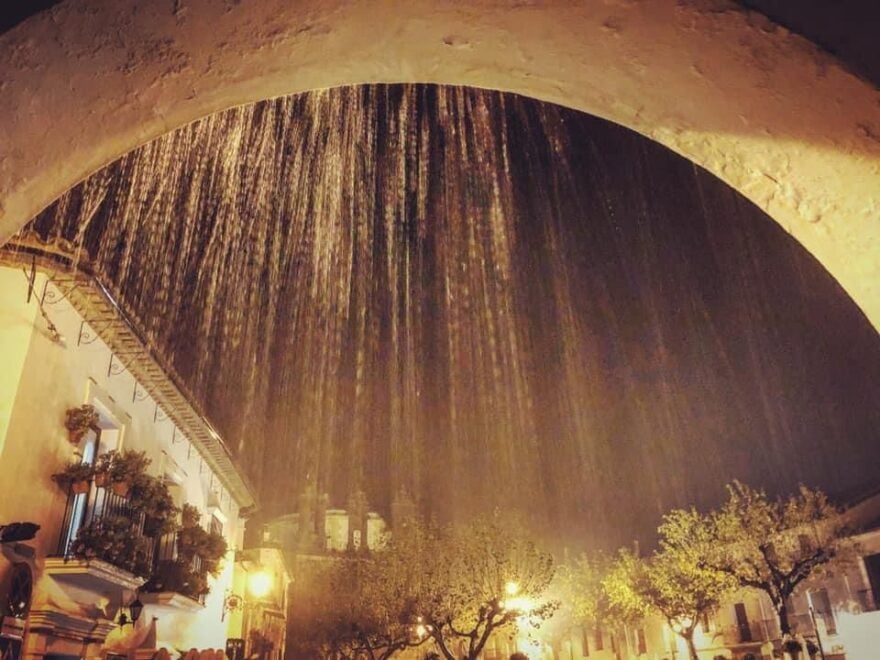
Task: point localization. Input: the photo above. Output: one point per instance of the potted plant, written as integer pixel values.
(114, 539)
(122, 469)
(193, 541)
(75, 477)
(198, 555)
(150, 496)
(79, 420)
(175, 575)
(101, 477)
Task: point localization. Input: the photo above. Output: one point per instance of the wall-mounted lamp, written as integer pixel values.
(135, 608)
(259, 585)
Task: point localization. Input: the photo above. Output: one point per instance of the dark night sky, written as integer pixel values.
(486, 300)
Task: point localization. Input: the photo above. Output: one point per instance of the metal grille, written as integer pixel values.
(88, 509)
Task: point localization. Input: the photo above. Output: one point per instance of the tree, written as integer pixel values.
(622, 587)
(467, 582)
(350, 608)
(318, 625)
(386, 623)
(577, 587)
(676, 581)
(774, 545)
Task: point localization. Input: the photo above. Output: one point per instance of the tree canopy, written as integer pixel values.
(774, 545)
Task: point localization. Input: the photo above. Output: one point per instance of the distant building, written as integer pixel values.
(316, 534)
(845, 617)
(64, 344)
(316, 529)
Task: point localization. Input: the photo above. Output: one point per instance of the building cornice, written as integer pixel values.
(99, 309)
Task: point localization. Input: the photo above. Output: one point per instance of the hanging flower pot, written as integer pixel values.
(120, 488)
(123, 468)
(79, 487)
(79, 420)
(75, 477)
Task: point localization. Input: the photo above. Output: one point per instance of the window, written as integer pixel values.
(742, 622)
(216, 526)
(642, 644)
(706, 622)
(100, 439)
(77, 511)
(821, 605)
(872, 568)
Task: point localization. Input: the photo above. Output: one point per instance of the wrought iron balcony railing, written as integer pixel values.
(102, 524)
(172, 572)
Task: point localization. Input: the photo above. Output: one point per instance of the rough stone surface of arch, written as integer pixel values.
(763, 109)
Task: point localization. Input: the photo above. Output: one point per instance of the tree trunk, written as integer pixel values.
(692, 650)
(782, 613)
(441, 645)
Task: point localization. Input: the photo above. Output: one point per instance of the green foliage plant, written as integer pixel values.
(74, 474)
(116, 540)
(774, 545)
(79, 420)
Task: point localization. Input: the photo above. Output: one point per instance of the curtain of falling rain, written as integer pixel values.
(479, 299)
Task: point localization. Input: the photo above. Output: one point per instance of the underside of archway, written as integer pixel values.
(761, 108)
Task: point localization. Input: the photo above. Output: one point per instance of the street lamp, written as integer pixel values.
(135, 608)
(515, 602)
(260, 583)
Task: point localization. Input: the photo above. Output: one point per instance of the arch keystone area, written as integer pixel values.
(763, 109)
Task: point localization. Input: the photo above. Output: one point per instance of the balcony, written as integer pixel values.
(747, 633)
(102, 546)
(802, 624)
(175, 581)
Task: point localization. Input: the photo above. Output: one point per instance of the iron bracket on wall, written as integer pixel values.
(159, 414)
(115, 367)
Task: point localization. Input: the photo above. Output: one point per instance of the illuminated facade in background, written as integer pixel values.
(256, 605)
(316, 529)
(845, 617)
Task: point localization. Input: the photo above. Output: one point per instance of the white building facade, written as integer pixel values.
(64, 344)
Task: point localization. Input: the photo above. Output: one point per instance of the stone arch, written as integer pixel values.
(761, 108)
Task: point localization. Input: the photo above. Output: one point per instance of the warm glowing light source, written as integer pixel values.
(515, 602)
(521, 604)
(260, 584)
(421, 630)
